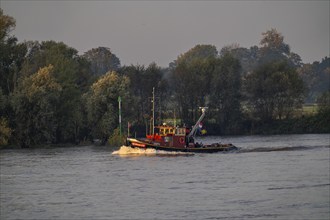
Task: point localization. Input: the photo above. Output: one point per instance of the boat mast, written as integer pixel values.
(153, 110)
(194, 129)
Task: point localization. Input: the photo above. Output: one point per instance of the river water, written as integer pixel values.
(270, 177)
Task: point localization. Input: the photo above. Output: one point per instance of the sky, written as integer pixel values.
(142, 32)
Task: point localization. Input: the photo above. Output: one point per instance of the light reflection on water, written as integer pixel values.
(125, 151)
(272, 177)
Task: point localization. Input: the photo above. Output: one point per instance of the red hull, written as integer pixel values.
(195, 148)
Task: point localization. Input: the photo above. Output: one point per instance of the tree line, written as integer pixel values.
(50, 94)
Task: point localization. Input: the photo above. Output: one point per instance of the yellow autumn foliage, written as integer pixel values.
(109, 82)
(42, 82)
(5, 132)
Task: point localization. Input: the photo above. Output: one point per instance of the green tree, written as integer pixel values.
(102, 104)
(323, 102)
(248, 58)
(274, 40)
(274, 90)
(70, 68)
(191, 78)
(5, 130)
(72, 73)
(11, 56)
(138, 96)
(102, 60)
(153, 77)
(191, 83)
(143, 79)
(35, 103)
(7, 24)
(316, 76)
(226, 93)
(200, 51)
(273, 48)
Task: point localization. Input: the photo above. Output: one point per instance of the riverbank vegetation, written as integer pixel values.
(52, 95)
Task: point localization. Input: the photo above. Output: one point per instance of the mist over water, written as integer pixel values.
(269, 177)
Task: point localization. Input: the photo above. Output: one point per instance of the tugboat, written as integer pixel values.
(179, 139)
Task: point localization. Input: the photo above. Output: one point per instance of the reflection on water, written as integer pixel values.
(271, 177)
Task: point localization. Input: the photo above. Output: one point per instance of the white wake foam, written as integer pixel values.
(126, 151)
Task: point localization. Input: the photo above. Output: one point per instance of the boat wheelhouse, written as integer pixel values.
(174, 138)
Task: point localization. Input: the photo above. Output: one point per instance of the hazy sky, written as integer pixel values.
(140, 32)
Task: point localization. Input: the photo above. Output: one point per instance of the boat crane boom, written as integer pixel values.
(194, 129)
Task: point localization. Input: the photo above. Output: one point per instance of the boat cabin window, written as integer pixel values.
(181, 131)
(166, 130)
(162, 131)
